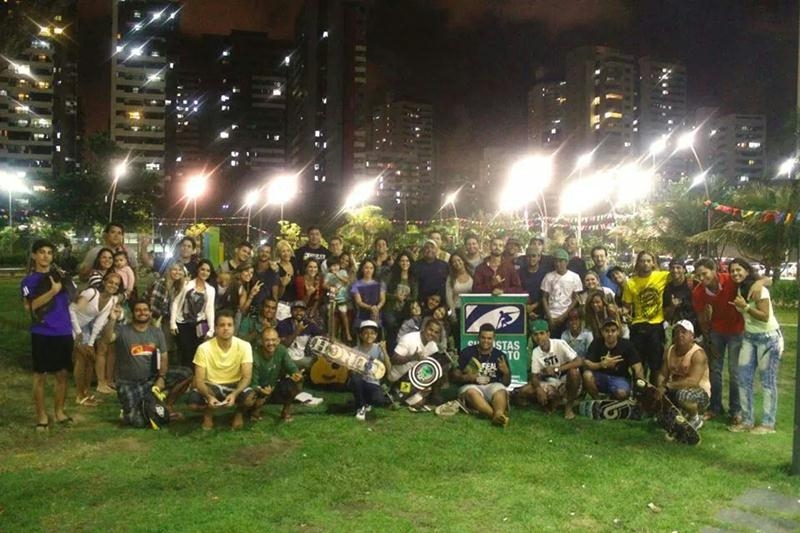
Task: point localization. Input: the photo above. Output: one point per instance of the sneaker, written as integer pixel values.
(740, 428)
(368, 408)
(361, 414)
(696, 422)
(762, 430)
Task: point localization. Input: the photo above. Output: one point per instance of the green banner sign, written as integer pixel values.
(507, 314)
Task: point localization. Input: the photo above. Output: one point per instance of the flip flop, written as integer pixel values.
(41, 427)
(65, 422)
(87, 401)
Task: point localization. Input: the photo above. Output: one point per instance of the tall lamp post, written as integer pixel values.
(120, 169)
(686, 142)
(281, 190)
(249, 201)
(450, 199)
(527, 180)
(195, 188)
(581, 164)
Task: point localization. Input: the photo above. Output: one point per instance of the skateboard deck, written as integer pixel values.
(422, 376)
(348, 357)
(610, 409)
(667, 414)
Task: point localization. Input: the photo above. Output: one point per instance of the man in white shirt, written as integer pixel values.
(412, 348)
(560, 290)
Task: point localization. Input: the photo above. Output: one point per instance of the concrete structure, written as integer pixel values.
(736, 148)
(547, 114)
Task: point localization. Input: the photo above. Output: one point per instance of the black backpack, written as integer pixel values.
(67, 284)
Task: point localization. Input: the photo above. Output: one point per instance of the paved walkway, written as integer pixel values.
(761, 510)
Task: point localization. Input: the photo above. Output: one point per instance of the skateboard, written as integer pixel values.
(667, 414)
(610, 409)
(345, 356)
(422, 376)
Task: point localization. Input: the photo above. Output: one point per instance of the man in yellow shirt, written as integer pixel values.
(643, 297)
(223, 370)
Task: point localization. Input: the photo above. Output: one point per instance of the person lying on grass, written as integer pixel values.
(223, 371)
(483, 369)
(143, 363)
(276, 378)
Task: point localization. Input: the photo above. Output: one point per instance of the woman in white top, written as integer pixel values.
(192, 314)
(89, 314)
(459, 281)
(761, 347)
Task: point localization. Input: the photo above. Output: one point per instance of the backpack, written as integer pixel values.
(154, 409)
(67, 284)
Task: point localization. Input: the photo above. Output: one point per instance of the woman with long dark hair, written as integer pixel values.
(192, 314)
(368, 293)
(761, 349)
(401, 289)
(102, 264)
(308, 287)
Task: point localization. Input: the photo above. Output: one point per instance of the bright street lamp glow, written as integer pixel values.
(699, 179)
(527, 179)
(658, 146)
(196, 186)
(281, 190)
(451, 198)
(686, 141)
(13, 181)
(120, 169)
(250, 199)
(633, 184)
(787, 166)
(584, 161)
(360, 194)
(582, 194)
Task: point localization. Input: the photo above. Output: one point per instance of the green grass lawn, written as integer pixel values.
(397, 472)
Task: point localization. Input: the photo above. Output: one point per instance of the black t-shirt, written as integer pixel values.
(304, 253)
(684, 309)
(624, 347)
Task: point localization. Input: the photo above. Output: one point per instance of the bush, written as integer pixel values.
(785, 293)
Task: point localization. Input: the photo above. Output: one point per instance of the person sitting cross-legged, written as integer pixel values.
(610, 362)
(223, 371)
(483, 369)
(367, 390)
(555, 372)
(276, 378)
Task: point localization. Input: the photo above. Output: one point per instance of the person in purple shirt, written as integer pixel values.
(47, 300)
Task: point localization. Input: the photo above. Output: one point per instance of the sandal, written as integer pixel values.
(105, 389)
(41, 427)
(88, 401)
(287, 417)
(65, 422)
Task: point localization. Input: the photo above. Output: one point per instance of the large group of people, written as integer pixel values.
(235, 335)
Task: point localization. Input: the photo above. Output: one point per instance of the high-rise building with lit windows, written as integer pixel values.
(143, 36)
(601, 88)
(327, 111)
(662, 100)
(547, 113)
(733, 147)
(38, 103)
(401, 154)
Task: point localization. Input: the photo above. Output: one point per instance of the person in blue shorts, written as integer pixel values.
(609, 364)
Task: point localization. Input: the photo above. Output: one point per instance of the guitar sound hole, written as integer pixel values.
(335, 366)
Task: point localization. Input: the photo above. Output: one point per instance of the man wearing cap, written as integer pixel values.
(276, 378)
(431, 272)
(684, 376)
(555, 372)
(47, 302)
(530, 277)
(609, 364)
(295, 331)
(495, 275)
(483, 371)
(472, 253)
(560, 289)
(367, 391)
(223, 371)
(536, 244)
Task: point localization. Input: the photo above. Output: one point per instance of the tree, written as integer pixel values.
(362, 227)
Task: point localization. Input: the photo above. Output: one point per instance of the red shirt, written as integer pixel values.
(483, 279)
(725, 318)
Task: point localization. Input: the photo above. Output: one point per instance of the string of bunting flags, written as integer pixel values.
(769, 216)
(590, 223)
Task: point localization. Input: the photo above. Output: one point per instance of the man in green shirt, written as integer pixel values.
(276, 378)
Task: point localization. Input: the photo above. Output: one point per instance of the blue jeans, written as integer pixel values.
(762, 350)
(721, 341)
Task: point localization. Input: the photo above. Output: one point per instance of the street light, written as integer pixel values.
(195, 188)
(450, 198)
(657, 147)
(120, 169)
(583, 161)
(249, 201)
(582, 194)
(527, 180)
(360, 193)
(12, 182)
(787, 167)
(633, 184)
(281, 190)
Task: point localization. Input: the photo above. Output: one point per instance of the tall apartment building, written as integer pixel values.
(547, 114)
(662, 100)
(401, 153)
(38, 102)
(327, 113)
(143, 35)
(601, 87)
(734, 146)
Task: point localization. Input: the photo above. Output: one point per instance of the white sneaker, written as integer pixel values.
(368, 408)
(361, 414)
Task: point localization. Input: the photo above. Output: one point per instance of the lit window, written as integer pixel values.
(325, 34)
(276, 92)
(234, 153)
(226, 53)
(224, 98)
(286, 60)
(234, 163)
(134, 115)
(224, 135)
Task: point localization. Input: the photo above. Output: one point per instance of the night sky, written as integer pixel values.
(474, 60)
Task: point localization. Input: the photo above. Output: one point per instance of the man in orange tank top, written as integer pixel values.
(684, 374)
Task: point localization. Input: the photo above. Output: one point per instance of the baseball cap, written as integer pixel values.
(430, 241)
(539, 326)
(38, 244)
(531, 251)
(561, 254)
(298, 303)
(369, 324)
(538, 237)
(609, 321)
(685, 324)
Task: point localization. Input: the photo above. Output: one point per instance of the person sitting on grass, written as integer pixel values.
(46, 299)
(367, 390)
(555, 372)
(484, 372)
(609, 363)
(223, 371)
(577, 336)
(142, 362)
(684, 376)
(413, 347)
(276, 378)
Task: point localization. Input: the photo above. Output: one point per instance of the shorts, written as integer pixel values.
(487, 390)
(51, 353)
(342, 308)
(283, 392)
(607, 383)
(131, 393)
(219, 391)
(557, 387)
(691, 395)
